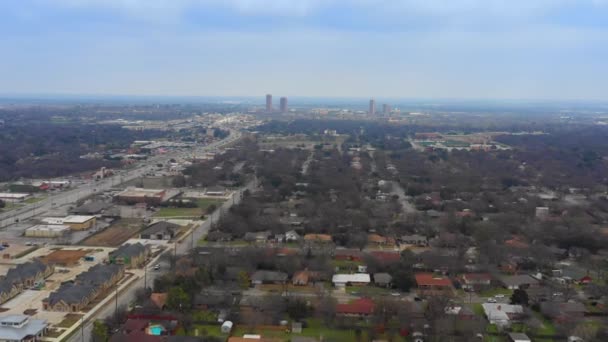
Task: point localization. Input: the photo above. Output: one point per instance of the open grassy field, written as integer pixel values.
(202, 205)
(116, 234)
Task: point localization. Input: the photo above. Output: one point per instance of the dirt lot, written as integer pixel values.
(66, 258)
(116, 234)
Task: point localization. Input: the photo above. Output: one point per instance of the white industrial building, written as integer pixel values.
(13, 197)
(47, 231)
(342, 280)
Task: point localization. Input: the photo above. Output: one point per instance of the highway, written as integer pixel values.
(92, 187)
(128, 295)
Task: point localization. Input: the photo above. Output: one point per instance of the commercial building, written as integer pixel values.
(47, 231)
(13, 197)
(75, 222)
(372, 107)
(269, 103)
(148, 196)
(283, 105)
(21, 328)
(386, 109)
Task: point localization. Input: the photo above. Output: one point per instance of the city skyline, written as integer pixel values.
(472, 49)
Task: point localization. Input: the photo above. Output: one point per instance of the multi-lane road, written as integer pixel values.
(92, 187)
(127, 296)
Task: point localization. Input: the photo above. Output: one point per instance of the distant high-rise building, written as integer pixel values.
(386, 109)
(269, 103)
(372, 107)
(283, 105)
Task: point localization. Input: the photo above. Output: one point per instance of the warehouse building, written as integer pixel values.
(75, 222)
(47, 231)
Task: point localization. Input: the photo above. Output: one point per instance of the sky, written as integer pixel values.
(450, 49)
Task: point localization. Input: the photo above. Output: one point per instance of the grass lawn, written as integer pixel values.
(478, 309)
(490, 338)
(370, 291)
(548, 328)
(34, 199)
(202, 330)
(346, 264)
(315, 329)
(496, 291)
(69, 320)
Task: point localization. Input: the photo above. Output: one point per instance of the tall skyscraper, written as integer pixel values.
(283, 105)
(386, 109)
(269, 103)
(372, 107)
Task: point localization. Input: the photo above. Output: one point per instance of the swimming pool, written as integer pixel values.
(156, 330)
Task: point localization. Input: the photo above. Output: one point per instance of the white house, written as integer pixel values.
(342, 280)
(502, 314)
(292, 236)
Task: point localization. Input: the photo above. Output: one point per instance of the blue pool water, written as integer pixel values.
(156, 330)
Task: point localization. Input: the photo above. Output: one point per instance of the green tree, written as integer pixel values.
(100, 332)
(519, 296)
(244, 280)
(403, 279)
(178, 299)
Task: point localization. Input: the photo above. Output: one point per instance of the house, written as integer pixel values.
(519, 337)
(501, 314)
(563, 312)
(357, 279)
(415, 240)
(385, 257)
(362, 307)
(215, 191)
(160, 231)
(301, 278)
(430, 283)
(130, 255)
(379, 240)
(75, 296)
(318, 238)
(383, 279)
(257, 236)
(22, 328)
(159, 299)
(292, 236)
(217, 236)
(23, 276)
(268, 277)
(348, 254)
(69, 298)
(472, 281)
(514, 282)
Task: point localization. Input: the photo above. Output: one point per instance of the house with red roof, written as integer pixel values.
(385, 257)
(362, 307)
(430, 283)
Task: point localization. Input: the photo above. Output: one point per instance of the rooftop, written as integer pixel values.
(430, 279)
(18, 327)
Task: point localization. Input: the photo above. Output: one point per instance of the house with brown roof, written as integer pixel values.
(159, 299)
(318, 238)
(472, 281)
(379, 240)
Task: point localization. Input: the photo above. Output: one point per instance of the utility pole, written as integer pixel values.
(116, 302)
(145, 277)
(82, 327)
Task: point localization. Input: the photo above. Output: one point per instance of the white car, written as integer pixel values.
(491, 300)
